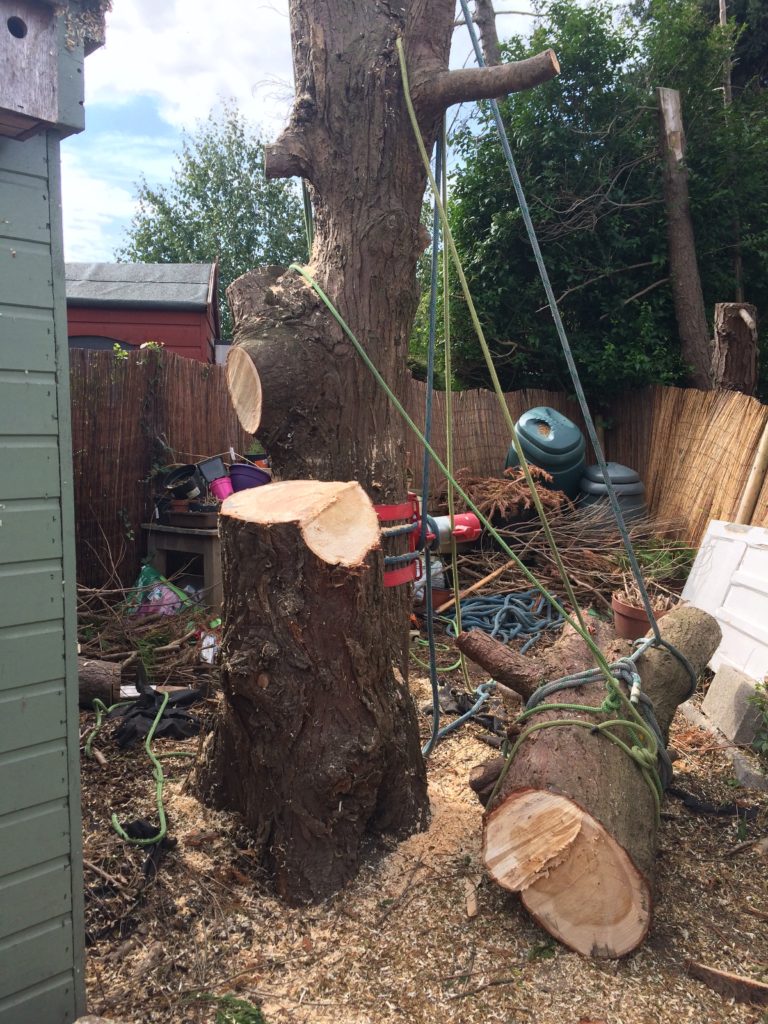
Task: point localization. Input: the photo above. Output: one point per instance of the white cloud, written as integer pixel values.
(189, 54)
(98, 188)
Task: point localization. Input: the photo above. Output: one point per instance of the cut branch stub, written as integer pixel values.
(336, 520)
(434, 95)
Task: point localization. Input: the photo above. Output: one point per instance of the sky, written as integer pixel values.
(166, 64)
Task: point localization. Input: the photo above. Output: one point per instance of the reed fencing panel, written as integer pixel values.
(130, 416)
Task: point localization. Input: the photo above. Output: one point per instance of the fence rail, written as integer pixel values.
(693, 449)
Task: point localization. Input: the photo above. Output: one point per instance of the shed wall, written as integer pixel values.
(184, 332)
(41, 921)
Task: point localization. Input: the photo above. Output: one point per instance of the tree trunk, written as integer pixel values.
(315, 747)
(98, 679)
(691, 316)
(734, 356)
(573, 827)
(485, 19)
(295, 378)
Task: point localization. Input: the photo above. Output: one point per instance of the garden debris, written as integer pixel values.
(176, 722)
(732, 986)
(502, 500)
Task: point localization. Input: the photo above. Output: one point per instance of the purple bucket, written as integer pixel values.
(243, 475)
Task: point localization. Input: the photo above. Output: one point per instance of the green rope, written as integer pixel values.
(102, 710)
(448, 236)
(489, 527)
(443, 648)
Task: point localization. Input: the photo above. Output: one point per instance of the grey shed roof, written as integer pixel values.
(148, 285)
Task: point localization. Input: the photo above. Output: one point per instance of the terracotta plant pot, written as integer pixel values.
(630, 622)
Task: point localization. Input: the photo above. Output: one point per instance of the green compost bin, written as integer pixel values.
(553, 443)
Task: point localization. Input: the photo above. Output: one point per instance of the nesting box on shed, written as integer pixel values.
(42, 44)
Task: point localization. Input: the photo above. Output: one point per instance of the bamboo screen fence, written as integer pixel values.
(693, 449)
(129, 417)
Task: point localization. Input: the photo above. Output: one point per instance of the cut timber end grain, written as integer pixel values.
(245, 391)
(575, 879)
(337, 520)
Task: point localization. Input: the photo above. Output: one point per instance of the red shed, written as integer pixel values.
(130, 303)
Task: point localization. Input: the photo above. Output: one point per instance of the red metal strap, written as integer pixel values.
(403, 574)
(388, 513)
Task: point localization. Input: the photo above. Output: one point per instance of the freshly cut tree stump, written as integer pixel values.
(573, 827)
(317, 744)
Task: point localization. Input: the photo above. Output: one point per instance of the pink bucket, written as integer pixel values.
(221, 488)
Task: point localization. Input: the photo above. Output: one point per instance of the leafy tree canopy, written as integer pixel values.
(586, 146)
(219, 206)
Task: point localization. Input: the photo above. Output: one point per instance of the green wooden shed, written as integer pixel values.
(42, 46)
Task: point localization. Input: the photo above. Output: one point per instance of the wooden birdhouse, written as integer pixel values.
(42, 44)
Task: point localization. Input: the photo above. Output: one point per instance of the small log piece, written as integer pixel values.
(98, 679)
(317, 743)
(573, 827)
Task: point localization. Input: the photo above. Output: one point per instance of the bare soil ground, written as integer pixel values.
(399, 944)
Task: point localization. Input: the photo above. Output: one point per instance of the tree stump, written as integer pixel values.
(573, 828)
(317, 743)
(735, 351)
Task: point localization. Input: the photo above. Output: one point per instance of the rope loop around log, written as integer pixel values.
(646, 747)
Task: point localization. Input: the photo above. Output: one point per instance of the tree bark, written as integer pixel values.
(573, 826)
(485, 19)
(98, 679)
(734, 356)
(691, 316)
(317, 744)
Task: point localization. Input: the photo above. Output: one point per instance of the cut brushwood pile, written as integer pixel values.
(573, 822)
(509, 498)
(592, 552)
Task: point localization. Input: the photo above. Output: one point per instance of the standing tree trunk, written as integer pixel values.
(691, 316)
(734, 356)
(292, 374)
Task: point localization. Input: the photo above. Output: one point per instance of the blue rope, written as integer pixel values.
(433, 674)
(592, 433)
(507, 616)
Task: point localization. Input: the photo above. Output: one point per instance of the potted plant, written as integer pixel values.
(629, 616)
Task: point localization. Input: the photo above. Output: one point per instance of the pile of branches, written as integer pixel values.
(504, 500)
(592, 552)
(167, 646)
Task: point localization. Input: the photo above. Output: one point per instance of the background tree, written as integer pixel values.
(219, 206)
(586, 144)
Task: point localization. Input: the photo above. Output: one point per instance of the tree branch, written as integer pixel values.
(485, 19)
(435, 94)
(287, 157)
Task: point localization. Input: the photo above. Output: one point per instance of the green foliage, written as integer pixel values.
(759, 700)
(586, 146)
(231, 1010)
(219, 206)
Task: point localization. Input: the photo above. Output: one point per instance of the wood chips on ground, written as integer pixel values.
(399, 944)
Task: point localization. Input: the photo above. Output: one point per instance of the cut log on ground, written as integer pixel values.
(568, 654)
(573, 826)
(98, 679)
(317, 743)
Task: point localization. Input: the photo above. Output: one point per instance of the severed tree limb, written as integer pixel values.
(568, 654)
(435, 94)
(287, 157)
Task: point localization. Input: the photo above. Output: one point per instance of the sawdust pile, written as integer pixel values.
(420, 936)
